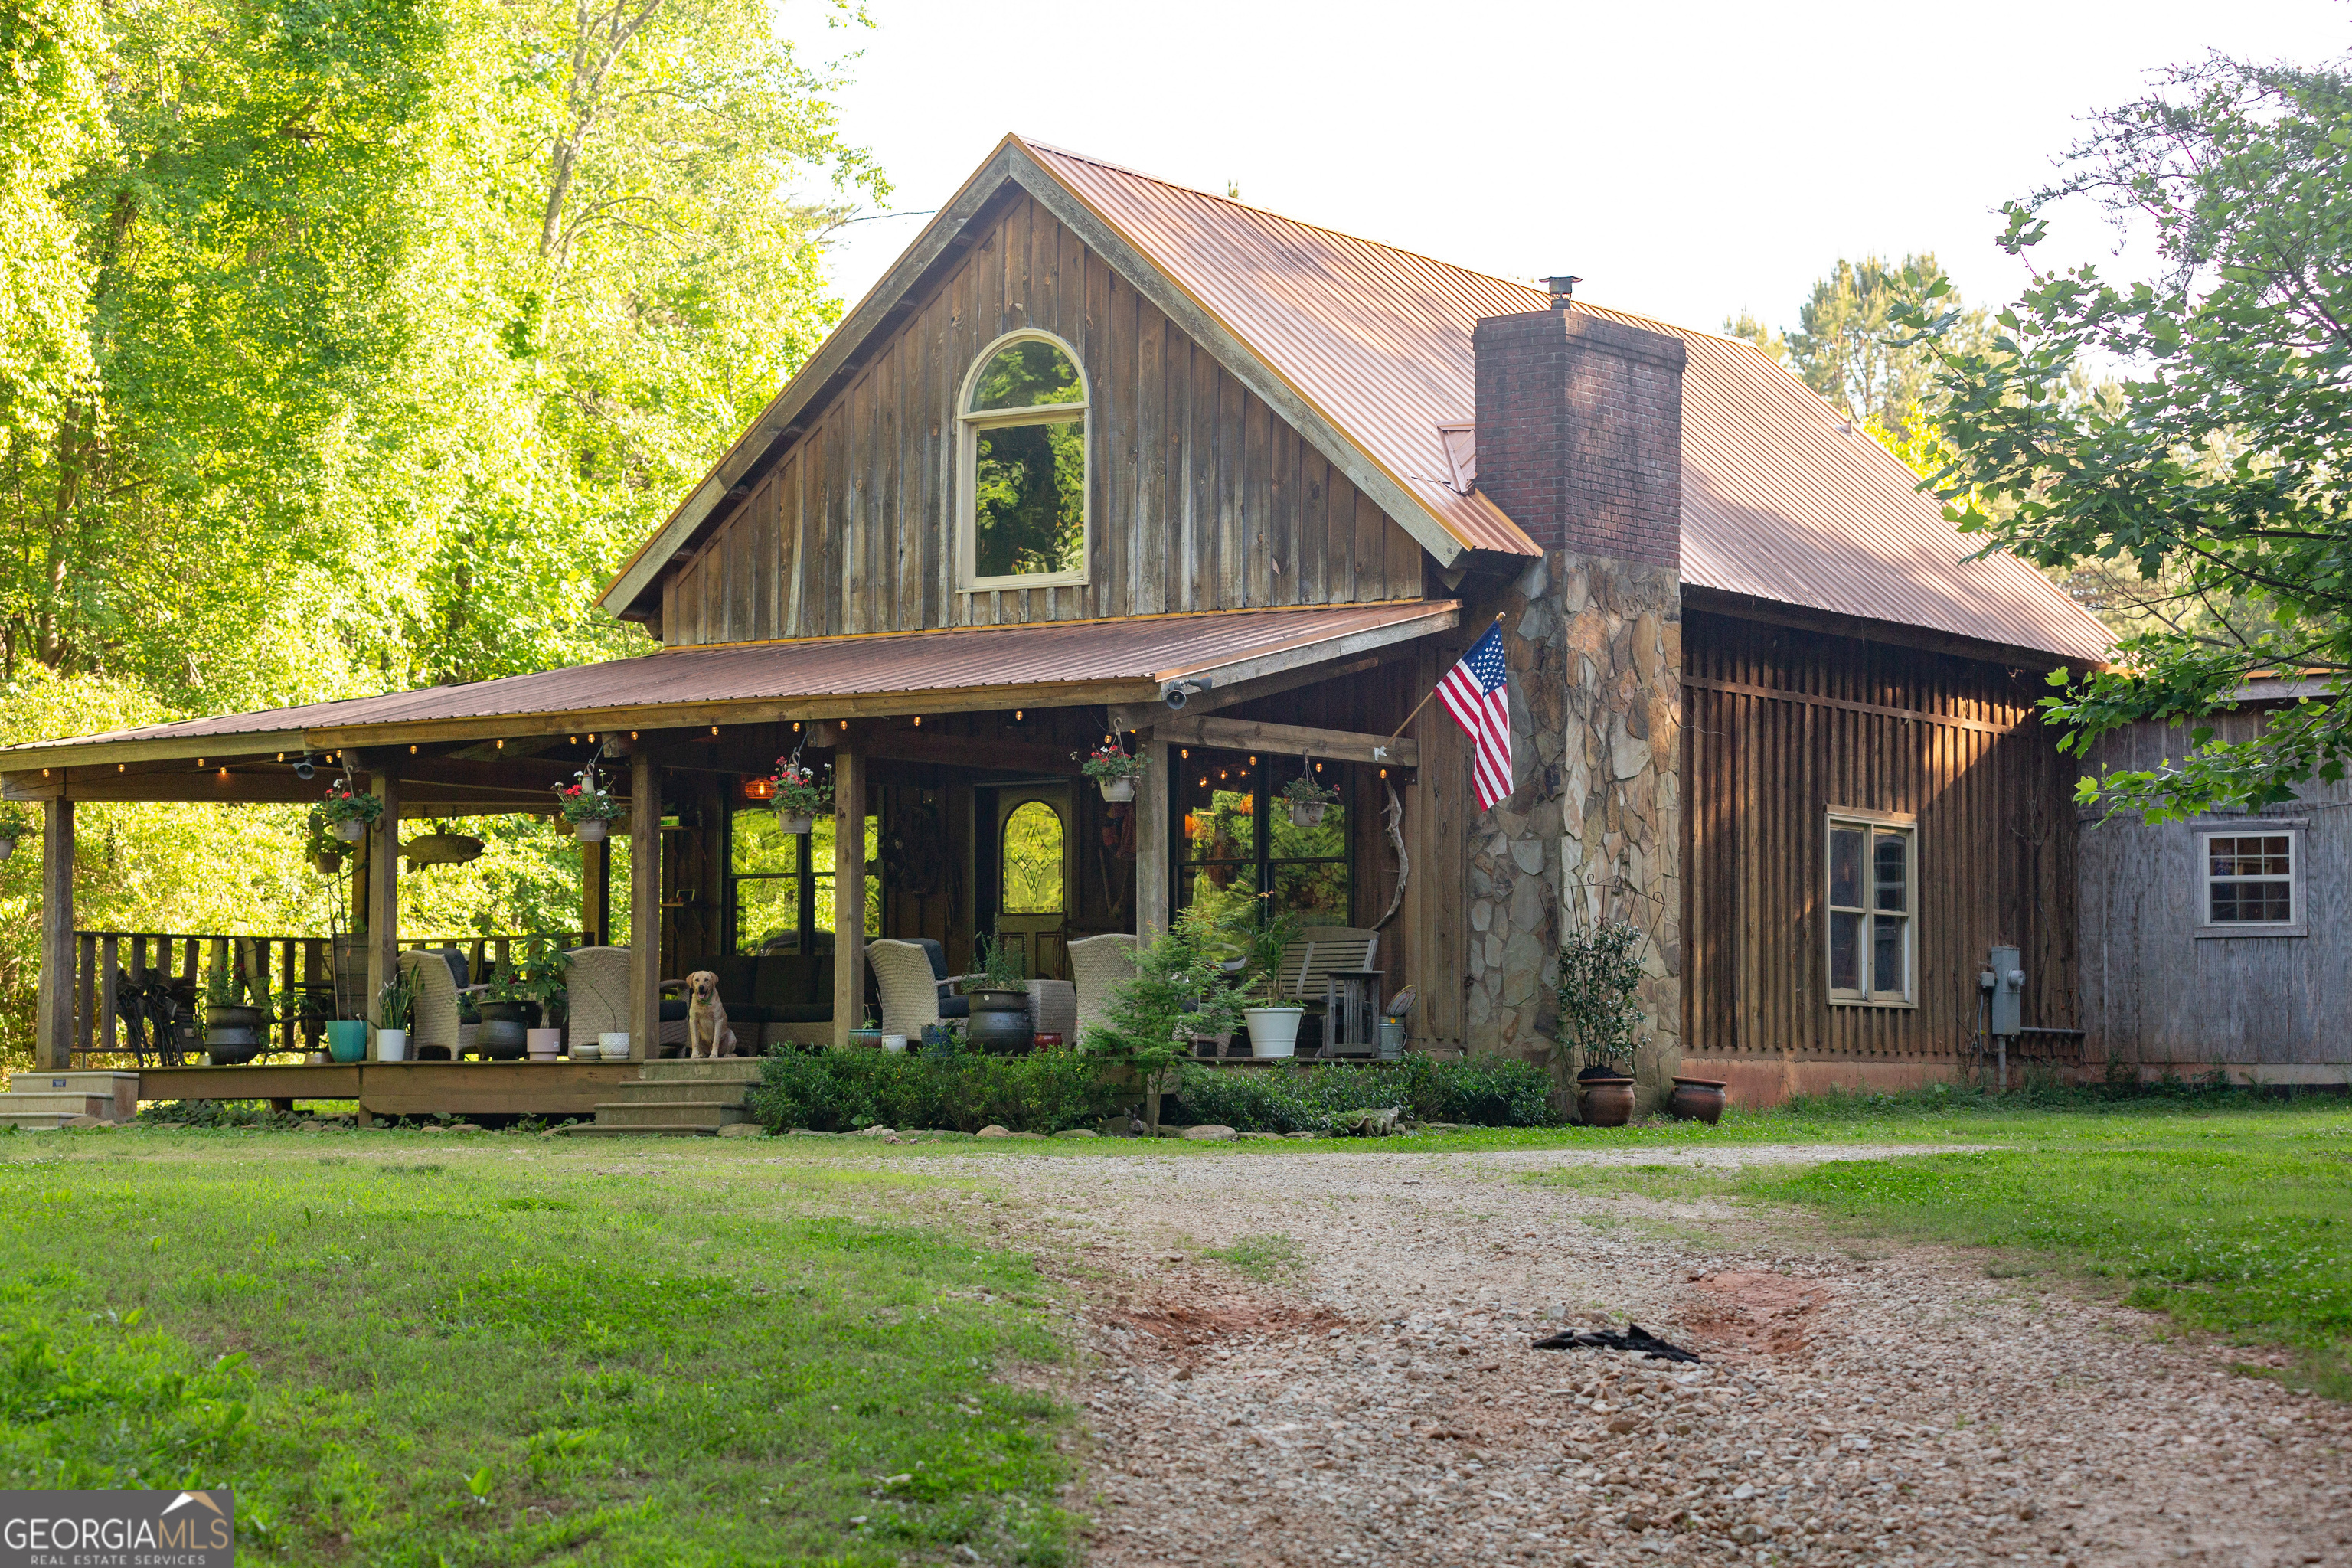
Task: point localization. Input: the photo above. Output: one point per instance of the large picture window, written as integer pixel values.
(780, 885)
(1870, 874)
(2250, 879)
(1236, 838)
(1023, 512)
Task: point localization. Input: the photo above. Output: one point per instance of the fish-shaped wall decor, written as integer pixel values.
(441, 849)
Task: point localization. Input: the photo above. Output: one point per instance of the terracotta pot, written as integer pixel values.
(1608, 1102)
(1697, 1100)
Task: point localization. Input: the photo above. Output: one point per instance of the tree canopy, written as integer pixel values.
(2204, 495)
(1848, 344)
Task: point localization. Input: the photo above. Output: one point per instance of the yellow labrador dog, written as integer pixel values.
(707, 1031)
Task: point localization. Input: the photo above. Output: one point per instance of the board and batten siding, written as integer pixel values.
(2158, 996)
(1203, 498)
(1783, 724)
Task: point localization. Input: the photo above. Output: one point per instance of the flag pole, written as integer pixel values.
(1424, 701)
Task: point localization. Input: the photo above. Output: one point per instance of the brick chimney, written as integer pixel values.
(1579, 443)
(1580, 431)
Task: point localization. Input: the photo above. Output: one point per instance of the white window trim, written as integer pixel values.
(2201, 877)
(968, 427)
(1908, 824)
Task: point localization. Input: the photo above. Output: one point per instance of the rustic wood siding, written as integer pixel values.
(2156, 996)
(1203, 498)
(1783, 724)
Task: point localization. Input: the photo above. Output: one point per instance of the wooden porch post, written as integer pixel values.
(1151, 808)
(56, 992)
(382, 893)
(848, 891)
(645, 906)
(596, 893)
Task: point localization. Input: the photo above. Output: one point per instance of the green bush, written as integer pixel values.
(1486, 1091)
(840, 1090)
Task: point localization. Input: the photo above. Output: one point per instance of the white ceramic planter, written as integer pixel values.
(542, 1044)
(1118, 789)
(590, 829)
(350, 830)
(1273, 1031)
(791, 825)
(1307, 812)
(392, 1045)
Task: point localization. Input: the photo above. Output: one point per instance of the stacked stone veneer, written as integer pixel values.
(1580, 441)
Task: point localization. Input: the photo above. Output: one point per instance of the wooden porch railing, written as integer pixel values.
(267, 964)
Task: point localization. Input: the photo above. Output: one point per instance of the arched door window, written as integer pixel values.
(1033, 861)
(1023, 514)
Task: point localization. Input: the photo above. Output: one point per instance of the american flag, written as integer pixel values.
(1474, 691)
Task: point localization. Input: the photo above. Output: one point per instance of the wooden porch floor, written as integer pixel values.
(407, 1088)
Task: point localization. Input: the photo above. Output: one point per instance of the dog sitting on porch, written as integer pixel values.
(707, 1030)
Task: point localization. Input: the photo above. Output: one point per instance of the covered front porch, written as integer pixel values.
(956, 764)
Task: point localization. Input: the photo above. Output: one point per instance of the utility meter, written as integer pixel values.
(2004, 981)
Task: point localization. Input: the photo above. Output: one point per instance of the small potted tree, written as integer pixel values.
(1600, 973)
(348, 816)
(1182, 990)
(800, 798)
(588, 806)
(1000, 999)
(1260, 936)
(1307, 798)
(1111, 767)
(14, 825)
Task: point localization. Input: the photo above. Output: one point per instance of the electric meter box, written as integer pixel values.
(2008, 992)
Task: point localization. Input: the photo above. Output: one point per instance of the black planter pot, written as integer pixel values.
(999, 1021)
(220, 1017)
(503, 1035)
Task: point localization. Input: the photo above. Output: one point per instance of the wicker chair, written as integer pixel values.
(909, 989)
(596, 997)
(1099, 964)
(1053, 1009)
(432, 1015)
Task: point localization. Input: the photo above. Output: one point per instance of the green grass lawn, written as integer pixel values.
(2231, 1215)
(411, 1349)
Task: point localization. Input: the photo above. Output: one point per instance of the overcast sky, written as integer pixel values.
(1688, 160)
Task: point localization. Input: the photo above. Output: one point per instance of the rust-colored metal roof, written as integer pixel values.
(1781, 500)
(1144, 653)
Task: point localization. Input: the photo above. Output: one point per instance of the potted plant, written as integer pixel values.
(799, 797)
(1307, 798)
(321, 845)
(14, 825)
(588, 806)
(348, 816)
(232, 1025)
(1260, 936)
(1000, 999)
(1111, 767)
(395, 1006)
(1181, 991)
(1600, 975)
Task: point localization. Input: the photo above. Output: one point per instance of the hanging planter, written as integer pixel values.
(327, 865)
(591, 829)
(14, 825)
(1113, 770)
(588, 806)
(348, 815)
(1306, 800)
(800, 798)
(8, 847)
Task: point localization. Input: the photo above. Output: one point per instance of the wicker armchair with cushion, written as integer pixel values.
(596, 988)
(1099, 964)
(908, 986)
(434, 1022)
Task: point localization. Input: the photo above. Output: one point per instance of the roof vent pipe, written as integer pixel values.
(1563, 290)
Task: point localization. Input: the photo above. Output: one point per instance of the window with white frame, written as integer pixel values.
(2251, 879)
(1871, 872)
(1023, 506)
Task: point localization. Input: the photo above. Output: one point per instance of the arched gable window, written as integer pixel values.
(1023, 417)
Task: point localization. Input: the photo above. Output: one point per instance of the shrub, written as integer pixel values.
(840, 1090)
(1488, 1091)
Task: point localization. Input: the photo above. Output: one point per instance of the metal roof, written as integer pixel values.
(1782, 499)
(1129, 659)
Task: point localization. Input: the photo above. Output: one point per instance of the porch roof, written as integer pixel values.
(1059, 664)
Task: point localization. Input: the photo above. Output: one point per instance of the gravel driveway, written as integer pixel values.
(1374, 1398)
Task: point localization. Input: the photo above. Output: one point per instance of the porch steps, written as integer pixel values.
(50, 1099)
(675, 1100)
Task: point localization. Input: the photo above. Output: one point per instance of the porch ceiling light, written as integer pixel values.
(759, 788)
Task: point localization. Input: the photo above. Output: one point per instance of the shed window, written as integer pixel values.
(1023, 419)
(2252, 880)
(1870, 875)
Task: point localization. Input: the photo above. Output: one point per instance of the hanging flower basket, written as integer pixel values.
(327, 865)
(13, 826)
(793, 824)
(588, 806)
(347, 814)
(800, 795)
(1111, 768)
(1306, 800)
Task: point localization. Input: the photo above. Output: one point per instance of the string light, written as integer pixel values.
(502, 745)
(918, 721)
(714, 729)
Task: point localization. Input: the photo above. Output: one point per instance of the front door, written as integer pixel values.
(1035, 852)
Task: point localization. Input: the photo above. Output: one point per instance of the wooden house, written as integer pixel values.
(1103, 457)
